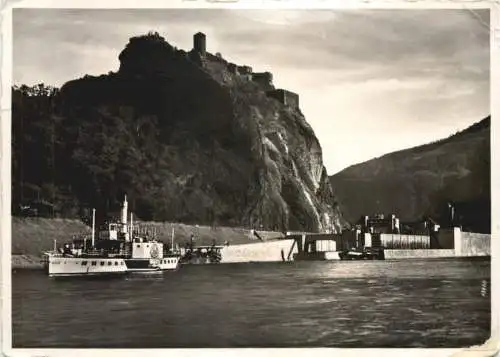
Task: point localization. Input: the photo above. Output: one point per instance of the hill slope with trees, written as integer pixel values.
(422, 181)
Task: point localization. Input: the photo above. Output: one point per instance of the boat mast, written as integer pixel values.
(173, 230)
(93, 227)
(131, 226)
(124, 218)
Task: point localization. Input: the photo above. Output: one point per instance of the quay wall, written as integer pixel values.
(26, 262)
(465, 244)
(32, 236)
(418, 253)
(469, 244)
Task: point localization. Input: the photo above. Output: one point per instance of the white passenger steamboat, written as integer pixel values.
(122, 248)
(59, 263)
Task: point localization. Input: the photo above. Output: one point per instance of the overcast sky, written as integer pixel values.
(370, 81)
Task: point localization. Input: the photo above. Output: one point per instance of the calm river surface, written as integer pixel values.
(420, 303)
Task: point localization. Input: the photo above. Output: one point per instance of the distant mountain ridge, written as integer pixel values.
(421, 181)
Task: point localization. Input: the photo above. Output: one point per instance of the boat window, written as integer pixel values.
(102, 263)
(147, 245)
(121, 263)
(84, 263)
(138, 245)
(94, 263)
(110, 263)
(116, 263)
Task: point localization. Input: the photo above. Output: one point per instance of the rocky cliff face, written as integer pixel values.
(192, 139)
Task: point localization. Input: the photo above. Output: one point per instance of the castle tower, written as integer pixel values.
(200, 43)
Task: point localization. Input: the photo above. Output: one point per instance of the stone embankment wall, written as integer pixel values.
(33, 236)
(465, 244)
(470, 244)
(26, 262)
(418, 253)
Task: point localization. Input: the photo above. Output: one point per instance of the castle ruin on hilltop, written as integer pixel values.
(264, 79)
(151, 54)
(200, 43)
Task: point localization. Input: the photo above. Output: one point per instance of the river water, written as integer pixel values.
(407, 303)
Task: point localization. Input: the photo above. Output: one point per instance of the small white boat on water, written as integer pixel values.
(119, 249)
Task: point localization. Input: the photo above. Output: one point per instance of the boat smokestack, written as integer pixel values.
(93, 226)
(125, 211)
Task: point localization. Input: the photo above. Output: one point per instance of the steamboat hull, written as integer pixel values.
(60, 266)
(151, 265)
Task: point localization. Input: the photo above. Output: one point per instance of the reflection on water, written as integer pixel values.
(420, 303)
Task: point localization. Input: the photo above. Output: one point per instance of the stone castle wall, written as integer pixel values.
(264, 79)
(285, 97)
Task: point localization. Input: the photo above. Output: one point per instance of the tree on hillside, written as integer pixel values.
(35, 144)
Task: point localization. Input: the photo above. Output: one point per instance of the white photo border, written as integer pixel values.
(490, 346)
